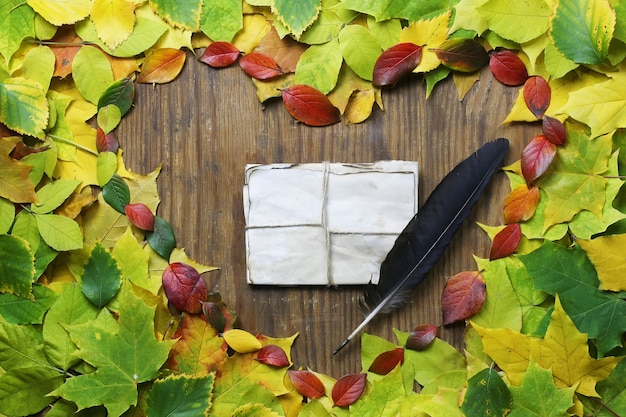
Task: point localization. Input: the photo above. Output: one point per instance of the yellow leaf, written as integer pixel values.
(360, 106)
(61, 12)
(429, 34)
(241, 341)
(464, 81)
(255, 27)
(179, 255)
(113, 20)
(133, 262)
(468, 17)
(608, 255)
(272, 88)
(347, 84)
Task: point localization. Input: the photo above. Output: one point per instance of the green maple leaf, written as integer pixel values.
(612, 401)
(125, 353)
(539, 396)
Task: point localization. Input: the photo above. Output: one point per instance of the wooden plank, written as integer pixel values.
(206, 125)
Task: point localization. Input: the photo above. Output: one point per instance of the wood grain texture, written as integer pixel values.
(207, 124)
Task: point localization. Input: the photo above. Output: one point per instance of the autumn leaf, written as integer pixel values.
(17, 266)
(421, 337)
(360, 50)
(16, 24)
(242, 341)
(220, 21)
(537, 95)
(537, 156)
(462, 297)
(429, 34)
(260, 66)
(310, 106)
(385, 362)
(220, 54)
(387, 397)
(65, 45)
(161, 66)
(553, 130)
(285, 51)
(387, 9)
(113, 20)
(101, 279)
(521, 203)
(607, 255)
(464, 55)
(506, 241)
(140, 215)
(307, 383)
(395, 62)
(348, 389)
(184, 287)
(15, 183)
(91, 72)
(273, 355)
(319, 66)
(507, 67)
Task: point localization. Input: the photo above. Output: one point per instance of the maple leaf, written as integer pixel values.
(607, 255)
(124, 353)
(564, 349)
(429, 34)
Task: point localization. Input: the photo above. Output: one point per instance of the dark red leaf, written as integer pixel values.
(395, 62)
(507, 67)
(21, 149)
(274, 356)
(106, 141)
(553, 130)
(387, 361)
(184, 287)
(464, 55)
(310, 106)
(220, 54)
(140, 215)
(421, 337)
(537, 95)
(463, 296)
(260, 66)
(214, 315)
(307, 384)
(537, 157)
(506, 241)
(348, 389)
(520, 204)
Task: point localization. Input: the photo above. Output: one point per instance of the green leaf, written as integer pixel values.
(297, 15)
(19, 310)
(360, 50)
(17, 267)
(161, 239)
(538, 396)
(101, 278)
(569, 273)
(109, 117)
(7, 215)
(106, 166)
(116, 193)
(125, 353)
(70, 309)
(612, 391)
(53, 194)
(519, 21)
(386, 399)
(319, 66)
(183, 14)
(181, 396)
(17, 22)
(583, 29)
(24, 391)
(60, 232)
(486, 394)
(92, 73)
(38, 65)
(327, 25)
(25, 226)
(43, 256)
(23, 106)
(314, 408)
(20, 348)
(220, 21)
(404, 9)
(120, 94)
(133, 261)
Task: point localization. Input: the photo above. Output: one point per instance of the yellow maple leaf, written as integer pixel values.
(563, 349)
(429, 34)
(61, 12)
(608, 256)
(113, 20)
(464, 81)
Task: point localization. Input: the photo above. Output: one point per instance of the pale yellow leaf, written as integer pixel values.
(464, 81)
(608, 255)
(428, 34)
(255, 27)
(241, 341)
(113, 20)
(61, 12)
(468, 17)
(360, 106)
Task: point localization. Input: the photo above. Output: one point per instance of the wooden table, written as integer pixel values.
(207, 124)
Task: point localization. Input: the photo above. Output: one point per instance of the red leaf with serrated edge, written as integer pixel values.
(140, 215)
(395, 62)
(106, 142)
(161, 66)
(184, 287)
(537, 95)
(348, 389)
(421, 337)
(463, 296)
(537, 157)
(310, 106)
(387, 361)
(464, 55)
(553, 130)
(220, 54)
(260, 66)
(273, 355)
(506, 241)
(507, 67)
(520, 204)
(307, 384)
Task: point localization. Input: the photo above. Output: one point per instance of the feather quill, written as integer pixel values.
(422, 242)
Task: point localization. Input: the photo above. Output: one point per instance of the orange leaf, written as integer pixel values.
(220, 54)
(285, 51)
(520, 204)
(537, 95)
(64, 45)
(506, 241)
(260, 66)
(161, 66)
(310, 106)
(463, 296)
(537, 157)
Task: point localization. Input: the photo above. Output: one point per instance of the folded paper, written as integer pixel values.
(325, 223)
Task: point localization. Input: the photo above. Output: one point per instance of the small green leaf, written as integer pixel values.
(319, 66)
(359, 49)
(106, 167)
(23, 106)
(181, 395)
(92, 73)
(16, 24)
(7, 215)
(24, 391)
(519, 21)
(17, 267)
(121, 94)
(18, 310)
(102, 277)
(487, 395)
(161, 239)
(116, 193)
(109, 117)
(183, 14)
(53, 194)
(221, 20)
(60, 232)
(38, 65)
(297, 15)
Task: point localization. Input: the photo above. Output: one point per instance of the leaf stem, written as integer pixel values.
(71, 142)
(54, 43)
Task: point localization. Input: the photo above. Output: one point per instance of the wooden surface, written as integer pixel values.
(207, 124)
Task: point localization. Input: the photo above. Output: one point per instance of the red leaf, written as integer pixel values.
(537, 95)
(220, 54)
(463, 296)
(464, 55)
(260, 66)
(310, 106)
(507, 67)
(184, 287)
(106, 141)
(161, 66)
(520, 204)
(421, 337)
(273, 355)
(140, 215)
(307, 384)
(537, 157)
(348, 389)
(396, 61)
(387, 361)
(506, 241)
(553, 130)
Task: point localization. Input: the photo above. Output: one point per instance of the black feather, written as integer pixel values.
(422, 242)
